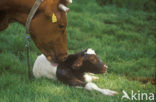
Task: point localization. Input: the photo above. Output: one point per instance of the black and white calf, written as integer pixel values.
(73, 70)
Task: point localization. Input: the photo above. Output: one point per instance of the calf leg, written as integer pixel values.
(89, 77)
(77, 82)
(74, 81)
(92, 86)
(71, 80)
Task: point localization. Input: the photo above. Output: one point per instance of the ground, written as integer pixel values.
(124, 39)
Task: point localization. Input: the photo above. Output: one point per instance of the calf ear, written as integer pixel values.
(82, 52)
(77, 63)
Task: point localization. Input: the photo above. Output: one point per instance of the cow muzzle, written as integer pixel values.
(60, 58)
(57, 58)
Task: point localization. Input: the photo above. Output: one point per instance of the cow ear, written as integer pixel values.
(77, 63)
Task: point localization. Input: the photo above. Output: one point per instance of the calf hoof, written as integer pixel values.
(95, 77)
(109, 92)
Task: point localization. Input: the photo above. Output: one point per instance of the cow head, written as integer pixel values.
(48, 29)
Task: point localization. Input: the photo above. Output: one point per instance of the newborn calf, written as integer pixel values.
(72, 70)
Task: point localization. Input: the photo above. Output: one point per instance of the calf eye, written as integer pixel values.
(93, 60)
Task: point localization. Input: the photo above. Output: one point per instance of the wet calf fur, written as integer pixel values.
(73, 70)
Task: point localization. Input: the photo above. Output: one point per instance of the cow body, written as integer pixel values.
(73, 71)
(50, 37)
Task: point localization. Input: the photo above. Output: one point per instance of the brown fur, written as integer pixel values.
(72, 70)
(50, 38)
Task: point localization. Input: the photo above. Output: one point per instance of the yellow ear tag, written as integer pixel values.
(54, 19)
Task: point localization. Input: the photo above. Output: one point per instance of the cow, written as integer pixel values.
(74, 70)
(47, 27)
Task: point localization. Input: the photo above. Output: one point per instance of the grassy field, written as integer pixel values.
(124, 39)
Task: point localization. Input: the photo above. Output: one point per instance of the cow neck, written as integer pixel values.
(31, 14)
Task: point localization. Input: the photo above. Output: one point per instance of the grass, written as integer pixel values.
(15, 88)
(146, 5)
(124, 39)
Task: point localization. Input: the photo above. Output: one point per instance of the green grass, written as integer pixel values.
(124, 39)
(146, 5)
(15, 88)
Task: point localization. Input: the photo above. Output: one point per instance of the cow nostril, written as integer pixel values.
(54, 60)
(61, 26)
(61, 57)
(64, 59)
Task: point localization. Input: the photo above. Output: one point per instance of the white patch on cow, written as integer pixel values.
(43, 68)
(106, 66)
(64, 8)
(91, 74)
(108, 92)
(89, 77)
(90, 51)
(70, 1)
(92, 86)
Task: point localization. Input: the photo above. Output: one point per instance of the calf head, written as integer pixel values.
(88, 61)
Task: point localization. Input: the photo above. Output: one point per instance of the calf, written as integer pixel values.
(73, 70)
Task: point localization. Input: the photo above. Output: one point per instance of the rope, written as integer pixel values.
(31, 14)
(29, 19)
(28, 55)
